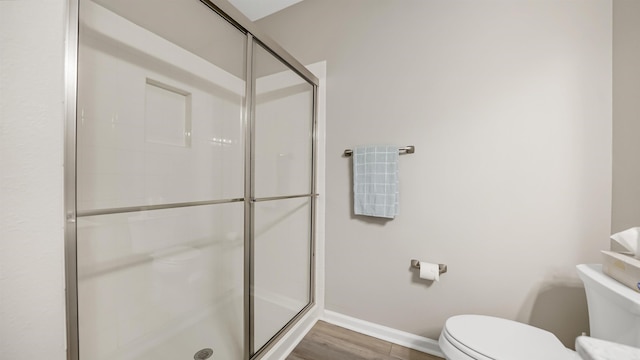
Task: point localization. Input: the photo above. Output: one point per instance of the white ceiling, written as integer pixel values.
(256, 9)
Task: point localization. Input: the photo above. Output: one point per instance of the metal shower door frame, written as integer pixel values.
(236, 18)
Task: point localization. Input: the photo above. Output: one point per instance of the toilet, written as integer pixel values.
(614, 315)
(480, 337)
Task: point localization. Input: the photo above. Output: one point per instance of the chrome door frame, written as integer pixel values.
(239, 20)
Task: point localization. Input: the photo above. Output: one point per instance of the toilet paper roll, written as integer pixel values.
(429, 271)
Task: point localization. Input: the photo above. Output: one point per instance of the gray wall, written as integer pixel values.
(509, 106)
(626, 114)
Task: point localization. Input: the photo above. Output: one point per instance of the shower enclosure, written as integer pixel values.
(190, 183)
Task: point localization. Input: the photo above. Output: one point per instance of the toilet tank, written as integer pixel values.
(614, 309)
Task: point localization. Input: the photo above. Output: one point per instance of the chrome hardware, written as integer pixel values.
(403, 150)
(442, 268)
(203, 354)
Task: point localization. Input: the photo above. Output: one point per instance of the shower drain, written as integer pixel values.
(203, 354)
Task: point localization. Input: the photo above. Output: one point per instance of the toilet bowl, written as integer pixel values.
(480, 337)
(614, 315)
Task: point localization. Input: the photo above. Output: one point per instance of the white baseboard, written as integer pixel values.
(402, 338)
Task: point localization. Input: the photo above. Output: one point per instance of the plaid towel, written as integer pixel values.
(375, 180)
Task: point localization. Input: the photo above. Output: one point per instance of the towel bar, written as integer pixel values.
(403, 150)
(442, 268)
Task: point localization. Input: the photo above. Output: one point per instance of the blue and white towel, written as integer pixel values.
(375, 180)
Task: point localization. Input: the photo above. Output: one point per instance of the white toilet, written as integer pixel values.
(614, 315)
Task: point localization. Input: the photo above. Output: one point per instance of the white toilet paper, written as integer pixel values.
(628, 239)
(429, 271)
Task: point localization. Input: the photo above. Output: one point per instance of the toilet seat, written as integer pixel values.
(482, 337)
(455, 350)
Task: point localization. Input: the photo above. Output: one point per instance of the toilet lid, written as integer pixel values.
(503, 339)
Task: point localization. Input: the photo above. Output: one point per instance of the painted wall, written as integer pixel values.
(524, 223)
(32, 320)
(509, 106)
(626, 114)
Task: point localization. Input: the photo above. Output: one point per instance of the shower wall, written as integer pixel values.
(158, 125)
(32, 217)
(161, 185)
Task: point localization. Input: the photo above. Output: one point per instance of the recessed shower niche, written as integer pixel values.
(167, 114)
(193, 189)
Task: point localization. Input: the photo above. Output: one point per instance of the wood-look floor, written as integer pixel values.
(330, 342)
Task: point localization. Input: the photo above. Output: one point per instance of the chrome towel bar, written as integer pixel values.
(403, 150)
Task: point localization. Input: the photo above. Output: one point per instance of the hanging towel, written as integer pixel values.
(375, 180)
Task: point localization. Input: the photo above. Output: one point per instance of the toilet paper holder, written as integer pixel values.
(442, 268)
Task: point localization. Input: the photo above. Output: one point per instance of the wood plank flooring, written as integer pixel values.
(330, 342)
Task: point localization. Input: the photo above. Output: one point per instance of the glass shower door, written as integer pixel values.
(160, 172)
(282, 206)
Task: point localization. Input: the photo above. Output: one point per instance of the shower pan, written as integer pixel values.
(190, 183)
